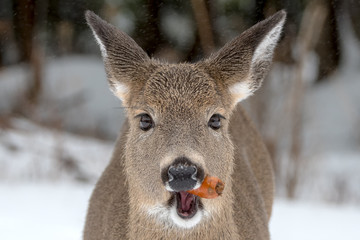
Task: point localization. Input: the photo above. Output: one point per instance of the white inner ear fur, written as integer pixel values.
(240, 91)
(263, 52)
(119, 90)
(265, 49)
(101, 45)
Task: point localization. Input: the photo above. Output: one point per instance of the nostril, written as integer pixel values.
(193, 176)
(171, 171)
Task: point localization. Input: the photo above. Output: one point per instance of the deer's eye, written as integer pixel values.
(215, 121)
(146, 122)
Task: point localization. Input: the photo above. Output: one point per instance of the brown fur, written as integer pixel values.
(181, 98)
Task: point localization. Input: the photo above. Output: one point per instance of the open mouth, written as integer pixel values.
(186, 204)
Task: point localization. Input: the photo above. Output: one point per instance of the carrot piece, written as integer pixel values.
(211, 187)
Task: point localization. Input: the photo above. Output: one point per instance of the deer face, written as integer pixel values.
(178, 134)
(178, 116)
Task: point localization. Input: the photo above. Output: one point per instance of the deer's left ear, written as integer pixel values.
(242, 64)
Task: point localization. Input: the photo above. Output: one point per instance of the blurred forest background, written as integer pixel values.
(58, 120)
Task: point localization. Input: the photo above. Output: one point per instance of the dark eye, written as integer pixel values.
(215, 121)
(146, 122)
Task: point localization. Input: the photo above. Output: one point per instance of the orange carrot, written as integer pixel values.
(211, 187)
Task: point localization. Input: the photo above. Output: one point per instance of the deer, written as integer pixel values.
(184, 122)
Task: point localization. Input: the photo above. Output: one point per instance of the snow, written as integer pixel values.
(309, 221)
(44, 211)
(31, 152)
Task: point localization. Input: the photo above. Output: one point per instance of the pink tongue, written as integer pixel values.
(186, 199)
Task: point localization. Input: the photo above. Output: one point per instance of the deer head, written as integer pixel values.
(178, 117)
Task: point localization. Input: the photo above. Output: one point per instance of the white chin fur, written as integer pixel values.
(185, 223)
(169, 217)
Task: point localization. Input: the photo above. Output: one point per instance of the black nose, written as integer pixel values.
(183, 175)
(182, 178)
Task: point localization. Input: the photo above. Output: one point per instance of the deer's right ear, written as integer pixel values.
(242, 64)
(122, 56)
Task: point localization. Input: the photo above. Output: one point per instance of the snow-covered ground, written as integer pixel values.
(42, 211)
(314, 221)
(57, 211)
(29, 152)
